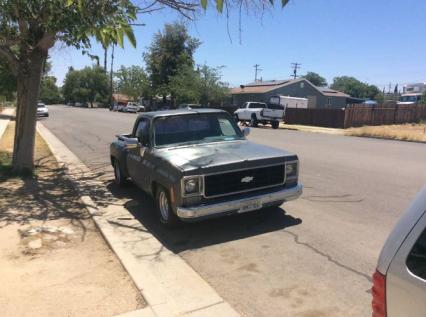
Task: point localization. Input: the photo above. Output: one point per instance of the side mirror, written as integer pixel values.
(246, 131)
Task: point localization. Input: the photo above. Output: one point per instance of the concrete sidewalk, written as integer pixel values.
(168, 284)
(4, 119)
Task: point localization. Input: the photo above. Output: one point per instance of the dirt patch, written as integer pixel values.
(53, 260)
(403, 132)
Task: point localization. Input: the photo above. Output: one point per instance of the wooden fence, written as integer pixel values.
(357, 115)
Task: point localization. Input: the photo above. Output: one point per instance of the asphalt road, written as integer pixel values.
(312, 258)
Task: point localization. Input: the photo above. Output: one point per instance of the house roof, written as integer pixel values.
(261, 87)
(121, 97)
(331, 92)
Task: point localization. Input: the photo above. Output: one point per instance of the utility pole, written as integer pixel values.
(111, 87)
(256, 70)
(296, 67)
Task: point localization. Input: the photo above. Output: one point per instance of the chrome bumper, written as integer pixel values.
(206, 210)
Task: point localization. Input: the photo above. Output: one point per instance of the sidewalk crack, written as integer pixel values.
(204, 307)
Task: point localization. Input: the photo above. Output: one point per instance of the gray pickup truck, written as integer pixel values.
(198, 164)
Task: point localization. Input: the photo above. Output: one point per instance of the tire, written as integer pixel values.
(119, 177)
(164, 208)
(253, 121)
(275, 124)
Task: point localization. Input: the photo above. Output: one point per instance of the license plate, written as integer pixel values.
(250, 205)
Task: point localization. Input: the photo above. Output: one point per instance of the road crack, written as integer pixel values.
(328, 257)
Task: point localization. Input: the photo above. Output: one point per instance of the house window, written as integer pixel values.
(302, 85)
(328, 101)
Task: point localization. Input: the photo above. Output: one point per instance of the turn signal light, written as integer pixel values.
(379, 295)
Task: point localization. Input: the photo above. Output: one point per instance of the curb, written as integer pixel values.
(312, 129)
(169, 285)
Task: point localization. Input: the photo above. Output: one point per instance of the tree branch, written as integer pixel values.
(11, 58)
(47, 41)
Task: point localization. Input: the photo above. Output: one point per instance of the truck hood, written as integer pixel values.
(221, 156)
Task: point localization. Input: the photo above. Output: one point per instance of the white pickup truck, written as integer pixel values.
(259, 112)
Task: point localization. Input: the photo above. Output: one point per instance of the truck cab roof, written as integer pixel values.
(166, 113)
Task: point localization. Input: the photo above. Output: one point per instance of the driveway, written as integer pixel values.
(312, 257)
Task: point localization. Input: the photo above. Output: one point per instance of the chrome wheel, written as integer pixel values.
(163, 204)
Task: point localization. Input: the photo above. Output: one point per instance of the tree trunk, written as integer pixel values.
(105, 58)
(29, 80)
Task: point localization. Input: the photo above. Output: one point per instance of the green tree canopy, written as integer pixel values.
(170, 50)
(49, 92)
(354, 87)
(7, 81)
(185, 85)
(213, 90)
(316, 79)
(202, 85)
(132, 81)
(87, 85)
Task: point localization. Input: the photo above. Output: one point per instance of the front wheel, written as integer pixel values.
(253, 122)
(275, 124)
(119, 178)
(164, 208)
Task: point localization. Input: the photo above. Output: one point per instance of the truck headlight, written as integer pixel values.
(291, 169)
(191, 185)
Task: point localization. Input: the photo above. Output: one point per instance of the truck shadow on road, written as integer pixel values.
(189, 236)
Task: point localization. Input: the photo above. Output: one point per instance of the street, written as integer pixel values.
(313, 257)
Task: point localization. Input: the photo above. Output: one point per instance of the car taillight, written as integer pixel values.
(379, 295)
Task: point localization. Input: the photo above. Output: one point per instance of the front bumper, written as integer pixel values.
(234, 206)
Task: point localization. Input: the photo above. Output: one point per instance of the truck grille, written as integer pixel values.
(245, 180)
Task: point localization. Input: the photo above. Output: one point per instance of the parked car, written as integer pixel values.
(119, 106)
(189, 106)
(198, 164)
(259, 112)
(81, 104)
(399, 283)
(70, 104)
(42, 110)
(133, 107)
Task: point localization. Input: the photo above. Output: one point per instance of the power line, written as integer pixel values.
(296, 67)
(256, 70)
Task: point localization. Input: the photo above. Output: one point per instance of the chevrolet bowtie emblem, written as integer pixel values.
(247, 179)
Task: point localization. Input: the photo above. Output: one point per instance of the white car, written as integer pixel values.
(259, 112)
(399, 283)
(133, 107)
(42, 110)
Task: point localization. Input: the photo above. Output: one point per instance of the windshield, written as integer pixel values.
(410, 98)
(195, 128)
(41, 105)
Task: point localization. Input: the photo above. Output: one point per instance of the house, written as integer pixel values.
(121, 98)
(318, 97)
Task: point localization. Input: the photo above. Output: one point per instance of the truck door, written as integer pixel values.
(136, 158)
(274, 111)
(245, 113)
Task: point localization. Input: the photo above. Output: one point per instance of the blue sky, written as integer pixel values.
(376, 41)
